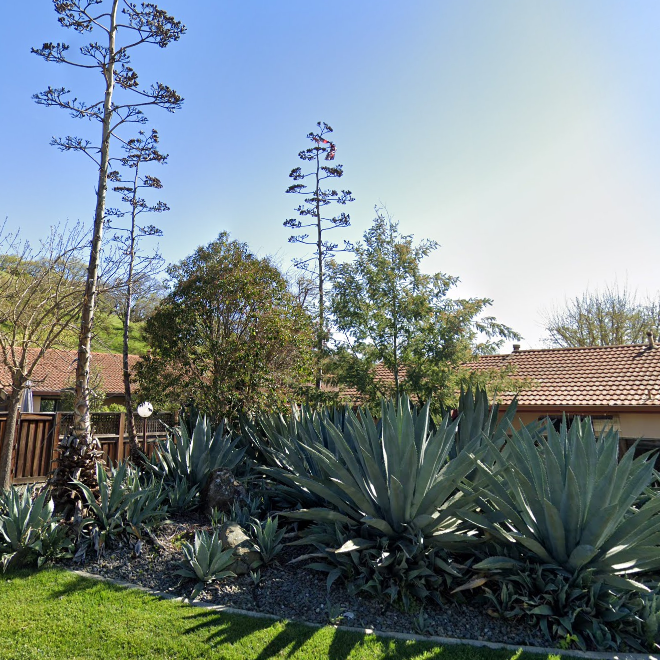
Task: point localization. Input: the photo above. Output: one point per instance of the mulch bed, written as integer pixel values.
(294, 592)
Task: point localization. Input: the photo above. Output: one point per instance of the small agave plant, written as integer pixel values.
(205, 560)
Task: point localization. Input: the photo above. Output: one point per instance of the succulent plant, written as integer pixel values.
(564, 498)
(30, 532)
(193, 456)
(267, 538)
(205, 560)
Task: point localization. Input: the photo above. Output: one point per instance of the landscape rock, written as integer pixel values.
(222, 490)
(232, 535)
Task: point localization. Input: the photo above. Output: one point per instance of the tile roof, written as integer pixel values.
(56, 371)
(590, 376)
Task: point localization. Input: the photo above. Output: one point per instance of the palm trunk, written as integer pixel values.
(80, 451)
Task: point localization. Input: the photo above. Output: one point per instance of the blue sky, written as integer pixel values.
(521, 135)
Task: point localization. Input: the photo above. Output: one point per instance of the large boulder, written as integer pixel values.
(222, 490)
(231, 535)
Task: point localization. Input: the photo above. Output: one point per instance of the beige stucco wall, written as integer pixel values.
(632, 425)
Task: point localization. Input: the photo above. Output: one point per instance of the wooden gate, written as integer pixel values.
(34, 445)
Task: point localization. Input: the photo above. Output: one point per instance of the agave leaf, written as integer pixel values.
(318, 515)
(379, 524)
(555, 529)
(581, 556)
(532, 544)
(472, 584)
(355, 544)
(497, 564)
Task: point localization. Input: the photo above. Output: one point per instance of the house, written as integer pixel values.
(617, 386)
(55, 374)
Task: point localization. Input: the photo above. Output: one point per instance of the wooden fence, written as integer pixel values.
(37, 436)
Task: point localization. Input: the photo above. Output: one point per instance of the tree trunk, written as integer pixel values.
(80, 451)
(9, 437)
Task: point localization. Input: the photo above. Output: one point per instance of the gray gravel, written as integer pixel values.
(296, 593)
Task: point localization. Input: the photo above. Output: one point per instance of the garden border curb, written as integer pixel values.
(594, 655)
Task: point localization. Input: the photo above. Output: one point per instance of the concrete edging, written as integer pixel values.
(593, 655)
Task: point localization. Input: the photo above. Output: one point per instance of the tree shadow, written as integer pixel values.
(225, 628)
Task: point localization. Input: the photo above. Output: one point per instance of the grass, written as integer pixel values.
(53, 614)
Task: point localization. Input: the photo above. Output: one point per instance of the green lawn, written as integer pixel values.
(53, 614)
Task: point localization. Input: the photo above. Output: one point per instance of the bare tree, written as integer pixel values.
(312, 211)
(140, 151)
(121, 104)
(613, 316)
(41, 295)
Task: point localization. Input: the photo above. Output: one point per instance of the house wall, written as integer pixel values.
(632, 425)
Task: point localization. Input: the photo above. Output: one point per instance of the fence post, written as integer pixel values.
(56, 440)
(120, 439)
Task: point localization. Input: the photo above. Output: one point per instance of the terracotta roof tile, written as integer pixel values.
(591, 376)
(56, 371)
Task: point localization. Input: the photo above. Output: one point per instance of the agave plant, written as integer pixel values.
(479, 421)
(205, 560)
(283, 442)
(194, 456)
(566, 500)
(267, 538)
(393, 477)
(124, 504)
(29, 530)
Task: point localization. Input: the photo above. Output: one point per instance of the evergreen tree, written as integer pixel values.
(394, 314)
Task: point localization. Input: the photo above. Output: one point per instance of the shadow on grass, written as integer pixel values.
(293, 637)
(79, 584)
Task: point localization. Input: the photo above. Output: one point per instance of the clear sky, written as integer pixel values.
(522, 135)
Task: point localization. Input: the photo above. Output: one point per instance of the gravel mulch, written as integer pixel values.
(294, 592)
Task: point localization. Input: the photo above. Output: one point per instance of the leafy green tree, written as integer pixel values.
(312, 211)
(610, 317)
(392, 313)
(229, 337)
(121, 26)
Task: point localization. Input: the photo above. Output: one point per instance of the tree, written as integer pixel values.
(229, 337)
(610, 317)
(40, 301)
(394, 314)
(121, 105)
(312, 211)
(140, 151)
